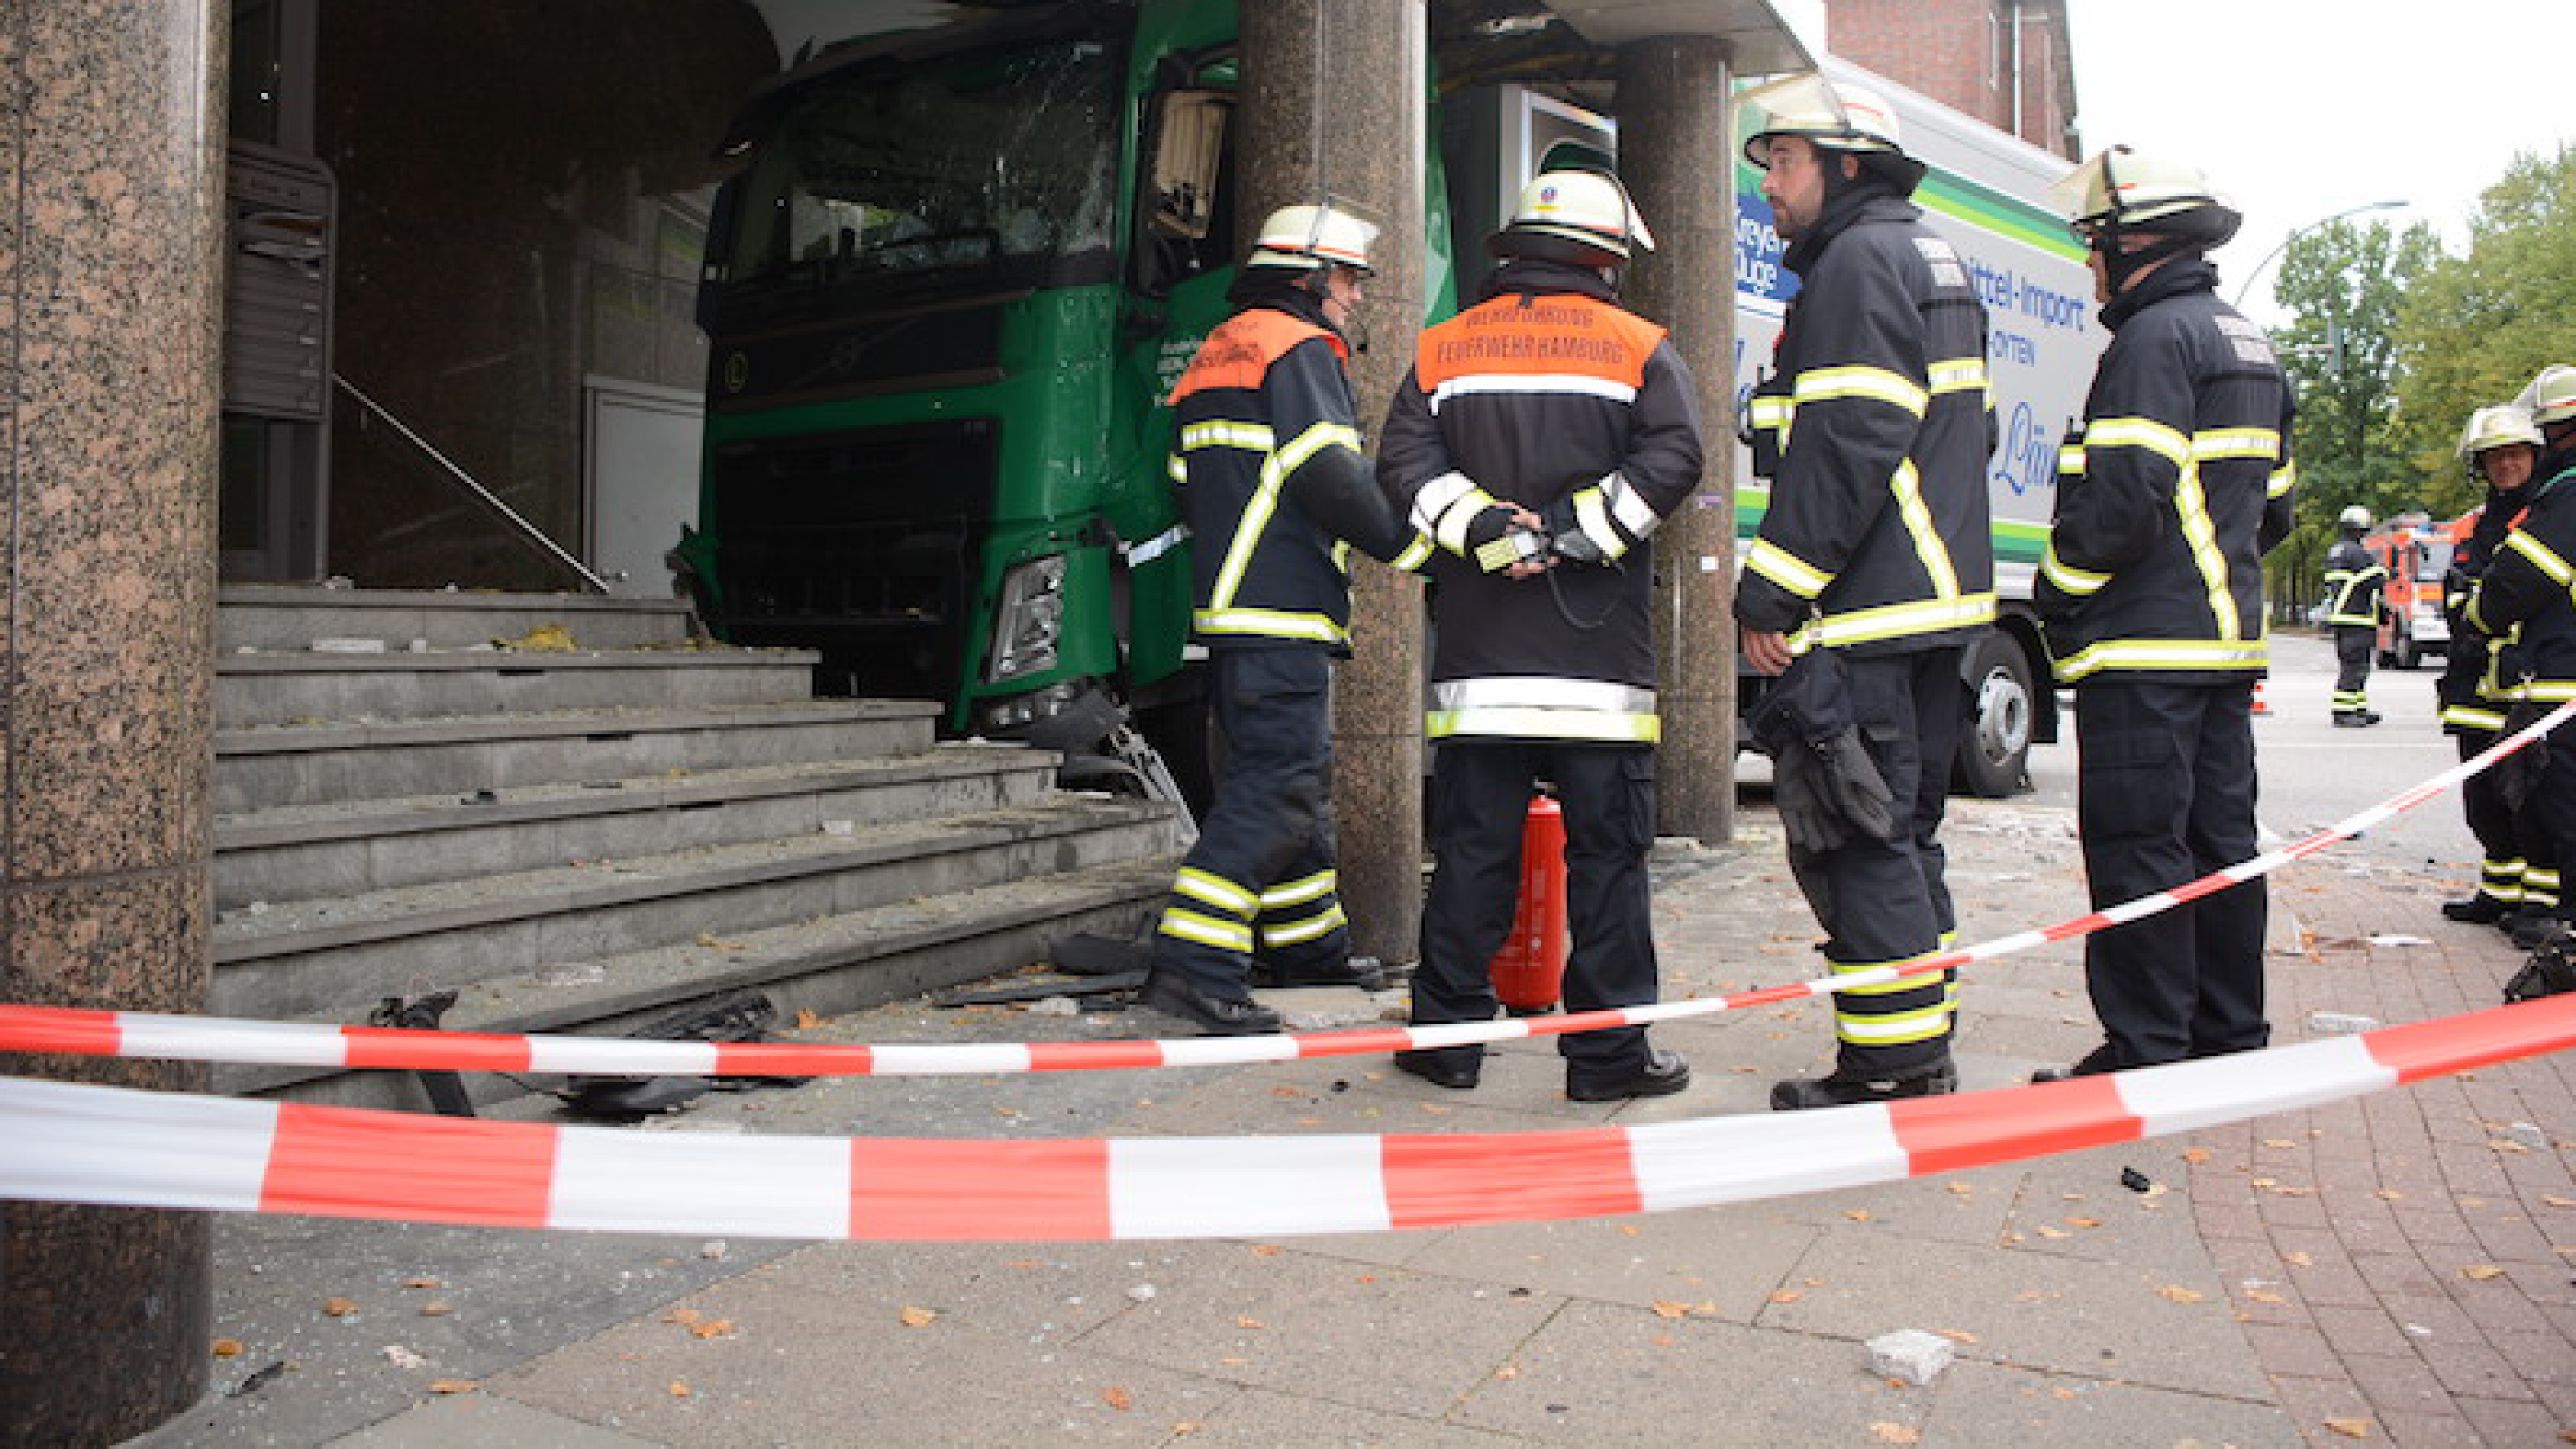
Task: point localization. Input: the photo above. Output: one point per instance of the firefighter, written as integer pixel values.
(1875, 557)
(2152, 592)
(1274, 488)
(2354, 579)
(1539, 439)
(2517, 878)
(2512, 601)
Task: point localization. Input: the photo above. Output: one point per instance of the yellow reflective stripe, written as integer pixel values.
(1415, 555)
(1223, 935)
(2284, 478)
(1173, 465)
(1896, 621)
(1270, 624)
(1215, 890)
(2541, 556)
(2469, 716)
(1544, 724)
(1594, 519)
(1823, 383)
(1961, 374)
(1450, 529)
(1886, 988)
(1221, 434)
(2070, 458)
(2143, 654)
(1771, 410)
(1265, 499)
(2551, 691)
(2145, 433)
(1298, 892)
(1908, 487)
(2068, 579)
(2264, 443)
(1894, 1028)
(2199, 531)
(1786, 569)
(1322, 923)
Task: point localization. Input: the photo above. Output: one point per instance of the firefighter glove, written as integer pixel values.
(1496, 543)
(1808, 816)
(1859, 792)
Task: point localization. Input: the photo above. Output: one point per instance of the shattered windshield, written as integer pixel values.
(982, 164)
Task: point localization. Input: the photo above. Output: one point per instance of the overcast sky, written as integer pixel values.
(2301, 108)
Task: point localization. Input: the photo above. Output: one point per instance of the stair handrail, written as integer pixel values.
(490, 499)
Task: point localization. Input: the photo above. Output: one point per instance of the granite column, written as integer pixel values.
(1334, 106)
(111, 183)
(1675, 155)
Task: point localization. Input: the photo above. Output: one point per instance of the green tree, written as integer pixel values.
(2476, 328)
(2344, 285)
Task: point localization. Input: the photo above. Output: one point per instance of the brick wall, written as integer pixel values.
(1959, 52)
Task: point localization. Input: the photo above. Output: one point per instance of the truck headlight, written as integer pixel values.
(1029, 621)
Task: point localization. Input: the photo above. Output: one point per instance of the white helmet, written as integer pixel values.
(1835, 117)
(1588, 208)
(2551, 397)
(1304, 238)
(2497, 427)
(2354, 517)
(2125, 190)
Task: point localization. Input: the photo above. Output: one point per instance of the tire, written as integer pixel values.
(1994, 738)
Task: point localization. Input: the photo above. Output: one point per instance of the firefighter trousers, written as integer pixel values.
(2165, 795)
(2548, 821)
(1883, 902)
(2520, 865)
(1480, 795)
(2353, 646)
(1261, 877)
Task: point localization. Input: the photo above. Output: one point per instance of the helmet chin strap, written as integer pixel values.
(2123, 265)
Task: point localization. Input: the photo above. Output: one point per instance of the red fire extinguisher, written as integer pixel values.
(1529, 972)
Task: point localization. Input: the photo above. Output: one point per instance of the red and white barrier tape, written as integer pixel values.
(80, 1031)
(105, 1145)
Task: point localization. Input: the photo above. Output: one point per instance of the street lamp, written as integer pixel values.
(2298, 232)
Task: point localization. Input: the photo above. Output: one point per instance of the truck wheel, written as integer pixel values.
(1994, 740)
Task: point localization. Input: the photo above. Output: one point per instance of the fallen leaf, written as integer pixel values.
(1250, 1323)
(1662, 1340)
(682, 1315)
(1963, 1188)
(436, 1309)
(340, 1307)
(1629, 1229)
(2047, 1231)
(2350, 1428)
(2298, 1260)
(2259, 1296)
(453, 1386)
(1117, 1398)
(1267, 1250)
(2390, 1194)
(1667, 1308)
(1287, 1091)
(807, 1019)
(918, 1317)
(1185, 1428)
(1958, 1335)
(2561, 1202)
(2084, 1222)
(228, 1348)
(2179, 1294)
(422, 1283)
(1858, 1215)
(1896, 1434)
(2278, 1142)
(2195, 1155)
(1787, 1295)
(2482, 1271)
(713, 1328)
(1508, 1371)
(679, 1390)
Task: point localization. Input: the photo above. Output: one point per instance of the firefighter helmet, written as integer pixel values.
(2356, 517)
(1306, 237)
(2551, 398)
(2497, 427)
(2125, 190)
(1581, 206)
(1834, 116)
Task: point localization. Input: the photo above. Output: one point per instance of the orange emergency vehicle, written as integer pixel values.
(2416, 552)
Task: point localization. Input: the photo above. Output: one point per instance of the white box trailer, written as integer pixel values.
(1989, 195)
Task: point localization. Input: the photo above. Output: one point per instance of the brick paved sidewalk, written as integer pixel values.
(2401, 1262)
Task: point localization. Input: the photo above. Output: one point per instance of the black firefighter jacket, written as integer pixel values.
(2528, 583)
(1267, 457)
(2355, 577)
(1546, 396)
(1873, 430)
(2168, 499)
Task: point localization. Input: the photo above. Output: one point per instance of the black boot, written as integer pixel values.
(2094, 1063)
(1217, 1016)
(2477, 910)
(1932, 1079)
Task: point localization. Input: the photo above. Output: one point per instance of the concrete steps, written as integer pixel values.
(583, 839)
